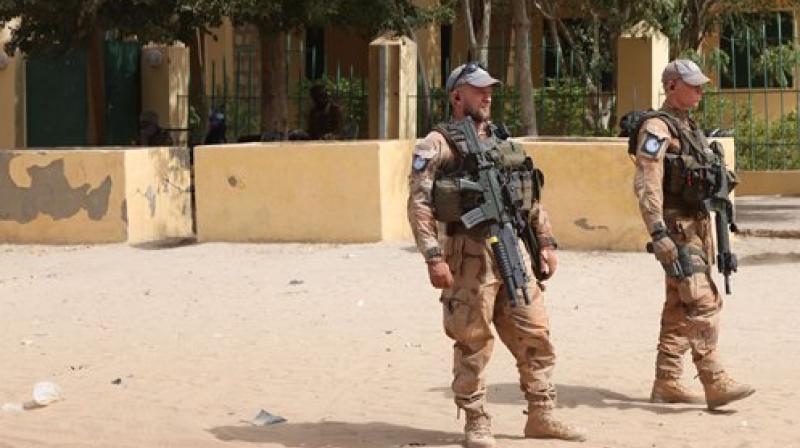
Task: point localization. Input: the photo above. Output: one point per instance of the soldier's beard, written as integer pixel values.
(476, 113)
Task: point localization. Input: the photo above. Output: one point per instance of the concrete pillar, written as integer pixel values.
(642, 55)
(12, 95)
(392, 88)
(165, 88)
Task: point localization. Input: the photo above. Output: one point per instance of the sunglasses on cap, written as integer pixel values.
(469, 68)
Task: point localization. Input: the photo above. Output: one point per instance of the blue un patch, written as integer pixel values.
(419, 163)
(652, 144)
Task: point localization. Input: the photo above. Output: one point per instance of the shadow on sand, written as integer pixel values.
(570, 396)
(331, 434)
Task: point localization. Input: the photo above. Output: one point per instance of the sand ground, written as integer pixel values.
(345, 342)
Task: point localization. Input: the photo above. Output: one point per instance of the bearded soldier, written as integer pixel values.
(463, 262)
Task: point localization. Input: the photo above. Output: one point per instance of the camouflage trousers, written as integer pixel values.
(477, 300)
(690, 318)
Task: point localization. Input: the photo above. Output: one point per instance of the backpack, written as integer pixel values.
(631, 122)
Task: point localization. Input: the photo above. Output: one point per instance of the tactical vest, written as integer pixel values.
(690, 176)
(450, 202)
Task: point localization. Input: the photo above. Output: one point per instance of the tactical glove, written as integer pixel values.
(665, 250)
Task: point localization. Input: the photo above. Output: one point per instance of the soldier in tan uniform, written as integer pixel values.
(461, 264)
(667, 142)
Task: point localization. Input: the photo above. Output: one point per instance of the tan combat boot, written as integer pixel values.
(721, 389)
(542, 425)
(478, 429)
(672, 391)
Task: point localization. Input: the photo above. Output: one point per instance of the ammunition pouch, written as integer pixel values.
(451, 199)
(455, 193)
(687, 183)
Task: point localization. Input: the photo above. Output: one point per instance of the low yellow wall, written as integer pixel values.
(357, 192)
(62, 196)
(317, 192)
(91, 195)
(767, 183)
(588, 192)
(158, 191)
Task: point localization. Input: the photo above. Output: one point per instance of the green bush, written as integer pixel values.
(761, 143)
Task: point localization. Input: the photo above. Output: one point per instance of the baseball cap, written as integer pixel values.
(685, 70)
(471, 73)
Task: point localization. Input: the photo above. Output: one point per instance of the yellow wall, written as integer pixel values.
(93, 195)
(774, 101)
(357, 192)
(758, 183)
(395, 163)
(62, 196)
(589, 192)
(157, 187)
(313, 192)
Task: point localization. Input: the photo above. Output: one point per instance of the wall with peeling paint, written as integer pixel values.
(589, 192)
(89, 195)
(292, 191)
(158, 191)
(62, 196)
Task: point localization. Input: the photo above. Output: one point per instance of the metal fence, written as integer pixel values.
(564, 104)
(755, 96)
(239, 97)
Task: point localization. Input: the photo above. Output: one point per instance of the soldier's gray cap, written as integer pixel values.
(685, 70)
(470, 73)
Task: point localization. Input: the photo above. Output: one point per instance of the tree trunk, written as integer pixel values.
(96, 89)
(423, 77)
(197, 97)
(479, 46)
(691, 34)
(274, 96)
(483, 41)
(522, 66)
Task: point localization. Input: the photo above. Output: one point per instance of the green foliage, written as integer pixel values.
(49, 26)
(561, 109)
(763, 144)
(280, 15)
(371, 17)
(778, 62)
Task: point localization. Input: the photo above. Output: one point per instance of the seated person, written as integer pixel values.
(325, 117)
(150, 133)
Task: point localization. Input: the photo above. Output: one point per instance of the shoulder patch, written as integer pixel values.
(652, 143)
(425, 150)
(419, 163)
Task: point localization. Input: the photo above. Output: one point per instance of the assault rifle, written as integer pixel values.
(720, 203)
(500, 208)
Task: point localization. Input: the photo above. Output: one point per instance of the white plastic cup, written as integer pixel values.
(45, 392)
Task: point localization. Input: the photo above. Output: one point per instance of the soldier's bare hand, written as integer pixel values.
(665, 250)
(440, 275)
(549, 262)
